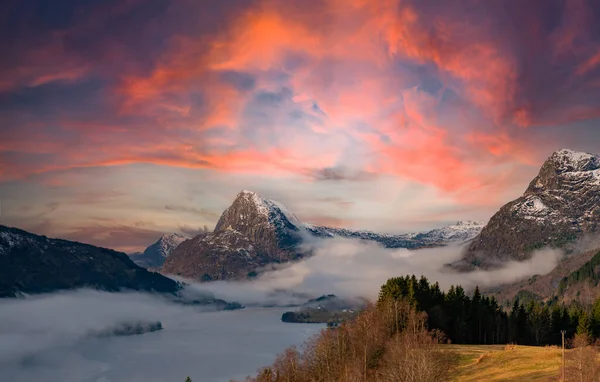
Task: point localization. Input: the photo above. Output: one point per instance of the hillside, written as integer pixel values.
(36, 264)
(548, 286)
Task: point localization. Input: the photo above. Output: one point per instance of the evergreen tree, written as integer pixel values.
(583, 326)
(595, 319)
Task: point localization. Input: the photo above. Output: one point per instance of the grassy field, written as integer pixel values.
(506, 363)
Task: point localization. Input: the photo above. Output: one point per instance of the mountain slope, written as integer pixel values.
(561, 204)
(36, 264)
(255, 232)
(555, 284)
(154, 256)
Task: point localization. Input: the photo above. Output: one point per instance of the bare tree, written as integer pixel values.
(583, 360)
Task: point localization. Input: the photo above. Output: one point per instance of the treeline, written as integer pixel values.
(587, 272)
(387, 342)
(399, 338)
(478, 319)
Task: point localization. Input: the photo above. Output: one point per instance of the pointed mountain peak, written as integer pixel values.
(251, 198)
(249, 206)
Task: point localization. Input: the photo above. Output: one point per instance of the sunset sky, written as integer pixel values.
(121, 120)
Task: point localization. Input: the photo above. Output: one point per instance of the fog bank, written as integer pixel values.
(350, 268)
(47, 338)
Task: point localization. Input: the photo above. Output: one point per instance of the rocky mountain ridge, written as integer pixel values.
(456, 233)
(254, 233)
(560, 205)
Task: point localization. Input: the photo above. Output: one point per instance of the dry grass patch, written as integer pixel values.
(500, 363)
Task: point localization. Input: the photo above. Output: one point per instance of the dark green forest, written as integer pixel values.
(479, 319)
(587, 272)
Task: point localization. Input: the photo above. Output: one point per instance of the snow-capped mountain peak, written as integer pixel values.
(168, 242)
(254, 199)
(154, 256)
(561, 204)
(248, 203)
(566, 160)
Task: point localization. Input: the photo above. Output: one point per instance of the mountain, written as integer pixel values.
(154, 256)
(251, 233)
(460, 232)
(561, 204)
(36, 264)
(255, 232)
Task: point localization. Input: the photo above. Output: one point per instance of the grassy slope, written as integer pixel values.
(494, 363)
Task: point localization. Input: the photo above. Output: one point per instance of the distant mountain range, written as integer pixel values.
(255, 232)
(462, 231)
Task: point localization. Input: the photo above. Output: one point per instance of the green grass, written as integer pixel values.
(505, 363)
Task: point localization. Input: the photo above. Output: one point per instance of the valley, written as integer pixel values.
(264, 273)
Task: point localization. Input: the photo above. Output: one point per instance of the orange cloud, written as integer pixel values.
(356, 73)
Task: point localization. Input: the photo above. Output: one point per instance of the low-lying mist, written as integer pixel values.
(51, 338)
(353, 269)
(43, 322)
(47, 337)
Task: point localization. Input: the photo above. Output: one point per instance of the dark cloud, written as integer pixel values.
(205, 213)
(193, 231)
(337, 174)
(241, 81)
(339, 202)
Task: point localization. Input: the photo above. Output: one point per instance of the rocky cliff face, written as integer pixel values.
(154, 256)
(36, 264)
(560, 205)
(268, 224)
(251, 233)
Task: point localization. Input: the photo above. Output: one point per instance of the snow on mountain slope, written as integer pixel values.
(561, 204)
(154, 256)
(31, 263)
(252, 232)
(168, 242)
(456, 233)
(459, 232)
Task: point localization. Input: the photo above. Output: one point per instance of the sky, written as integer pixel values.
(123, 120)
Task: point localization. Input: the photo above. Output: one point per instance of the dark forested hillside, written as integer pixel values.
(478, 319)
(588, 272)
(36, 264)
